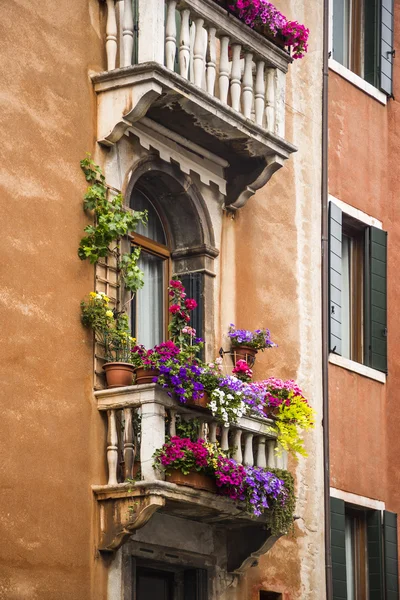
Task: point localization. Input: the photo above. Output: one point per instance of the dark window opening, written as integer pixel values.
(270, 596)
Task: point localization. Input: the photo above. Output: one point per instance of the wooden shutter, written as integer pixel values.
(338, 549)
(386, 47)
(195, 584)
(378, 299)
(391, 556)
(375, 558)
(335, 278)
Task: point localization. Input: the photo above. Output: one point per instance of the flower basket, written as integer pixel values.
(145, 375)
(245, 353)
(193, 479)
(118, 374)
(201, 402)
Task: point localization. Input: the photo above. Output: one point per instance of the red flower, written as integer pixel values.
(190, 303)
(174, 308)
(176, 284)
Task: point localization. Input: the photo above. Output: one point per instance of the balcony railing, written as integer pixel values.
(139, 420)
(199, 71)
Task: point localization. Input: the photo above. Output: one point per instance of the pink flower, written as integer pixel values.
(174, 308)
(190, 303)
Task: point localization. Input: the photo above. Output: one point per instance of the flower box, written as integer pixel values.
(145, 375)
(193, 479)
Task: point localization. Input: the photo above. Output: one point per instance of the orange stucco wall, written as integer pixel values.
(364, 145)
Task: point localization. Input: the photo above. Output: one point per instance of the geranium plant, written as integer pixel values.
(260, 339)
(155, 357)
(242, 371)
(183, 455)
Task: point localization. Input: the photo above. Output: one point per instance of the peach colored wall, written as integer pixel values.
(364, 147)
(50, 426)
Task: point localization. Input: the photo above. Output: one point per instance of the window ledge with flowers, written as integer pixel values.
(212, 72)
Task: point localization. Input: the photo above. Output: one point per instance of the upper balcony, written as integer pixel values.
(203, 80)
(139, 419)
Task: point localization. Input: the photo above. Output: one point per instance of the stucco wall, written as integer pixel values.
(50, 429)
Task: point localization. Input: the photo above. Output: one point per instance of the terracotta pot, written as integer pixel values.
(271, 411)
(119, 374)
(201, 402)
(145, 375)
(196, 480)
(244, 353)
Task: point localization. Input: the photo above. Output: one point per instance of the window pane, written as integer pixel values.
(154, 229)
(341, 31)
(346, 296)
(349, 542)
(148, 306)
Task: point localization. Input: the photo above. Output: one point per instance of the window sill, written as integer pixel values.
(357, 81)
(356, 367)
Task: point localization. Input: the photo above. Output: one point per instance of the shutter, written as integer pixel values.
(391, 558)
(386, 47)
(195, 584)
(375, 562)
(194, 288)
(378, 299)
(335, 278)
(338, 549)
(371, 41)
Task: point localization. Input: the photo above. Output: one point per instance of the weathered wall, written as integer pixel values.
(363, 172)
(49, 426)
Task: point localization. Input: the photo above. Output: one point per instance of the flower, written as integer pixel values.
(260, 339)
(174, 308)
(190, 303)
(109, 313)
(242, 370)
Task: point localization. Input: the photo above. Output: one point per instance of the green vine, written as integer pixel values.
(112, 222)
(280, 518)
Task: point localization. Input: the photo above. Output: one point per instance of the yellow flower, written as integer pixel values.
(109, 313)
(93, 294)
(133, 339)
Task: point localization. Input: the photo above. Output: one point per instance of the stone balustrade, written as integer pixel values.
(140, 417)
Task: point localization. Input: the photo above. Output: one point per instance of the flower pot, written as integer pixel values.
(245, 353)
(145, 375)
(278, 39)
(119, 374)
(271, 411)
(201, 402)
(196, 480)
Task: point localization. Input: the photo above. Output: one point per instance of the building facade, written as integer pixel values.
(217, 133)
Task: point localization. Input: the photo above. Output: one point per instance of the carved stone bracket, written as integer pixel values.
(245, 545)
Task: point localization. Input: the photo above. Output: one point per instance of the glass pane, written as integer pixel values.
(341, 31)
(349, 544)
(148, 306)
(154, 229)
(346, 297)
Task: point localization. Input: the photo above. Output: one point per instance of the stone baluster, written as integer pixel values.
(184, 44)
(127, 33)
(224, 70)
(271, 457)
(280, 98)
(170, 35)
(260, 92)
(213, 431)
(111, 35)
(236, 75)
(112, 448)
(203, 429)
(129, 446)
(192, 38)
(198, 53)
(247, 92)
(261, 459)
(225, 438)
(152, 438)
(172, 422)
(248, 450)
(270, 100)
(237, 442)
(211, 60)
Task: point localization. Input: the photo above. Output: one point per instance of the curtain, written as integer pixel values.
(149, 303)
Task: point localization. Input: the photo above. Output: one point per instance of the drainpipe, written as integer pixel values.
(325, 305)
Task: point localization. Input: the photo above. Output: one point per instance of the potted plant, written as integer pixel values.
(147, 363)
(111, 330)
(226, 400)
(186, 463)
(242, 371)
(246, 344)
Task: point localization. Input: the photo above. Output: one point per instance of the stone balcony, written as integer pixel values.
(188, 74)
(139, 419)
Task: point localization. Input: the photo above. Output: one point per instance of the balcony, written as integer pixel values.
(139, 418)
(198, 80)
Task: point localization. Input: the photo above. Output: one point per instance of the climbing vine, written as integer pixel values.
(111, 223)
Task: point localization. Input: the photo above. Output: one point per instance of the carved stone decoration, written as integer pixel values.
(245, 545)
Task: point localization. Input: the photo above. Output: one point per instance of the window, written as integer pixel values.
(358, 305)
(270, 596)
(157, 581)
(148, 313)
(362, 39)
(364, 552)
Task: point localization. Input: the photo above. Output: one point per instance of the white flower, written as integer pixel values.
(229, 396)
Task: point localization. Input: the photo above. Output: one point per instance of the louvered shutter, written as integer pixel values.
(195, 584)
(375, 558)
(338, 549)
(391, 556)
(378, 299)
(386, 47)
(335, 278)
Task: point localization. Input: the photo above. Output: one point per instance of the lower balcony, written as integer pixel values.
(139, 420)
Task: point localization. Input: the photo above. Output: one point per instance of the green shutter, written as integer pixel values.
(375, 558)
(371, 41)
(338, 549)
(335, 278)
(391, 558)
(386, 47)
(195, 584)
(378, 299)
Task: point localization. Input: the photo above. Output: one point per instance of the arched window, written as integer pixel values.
(149, 307)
